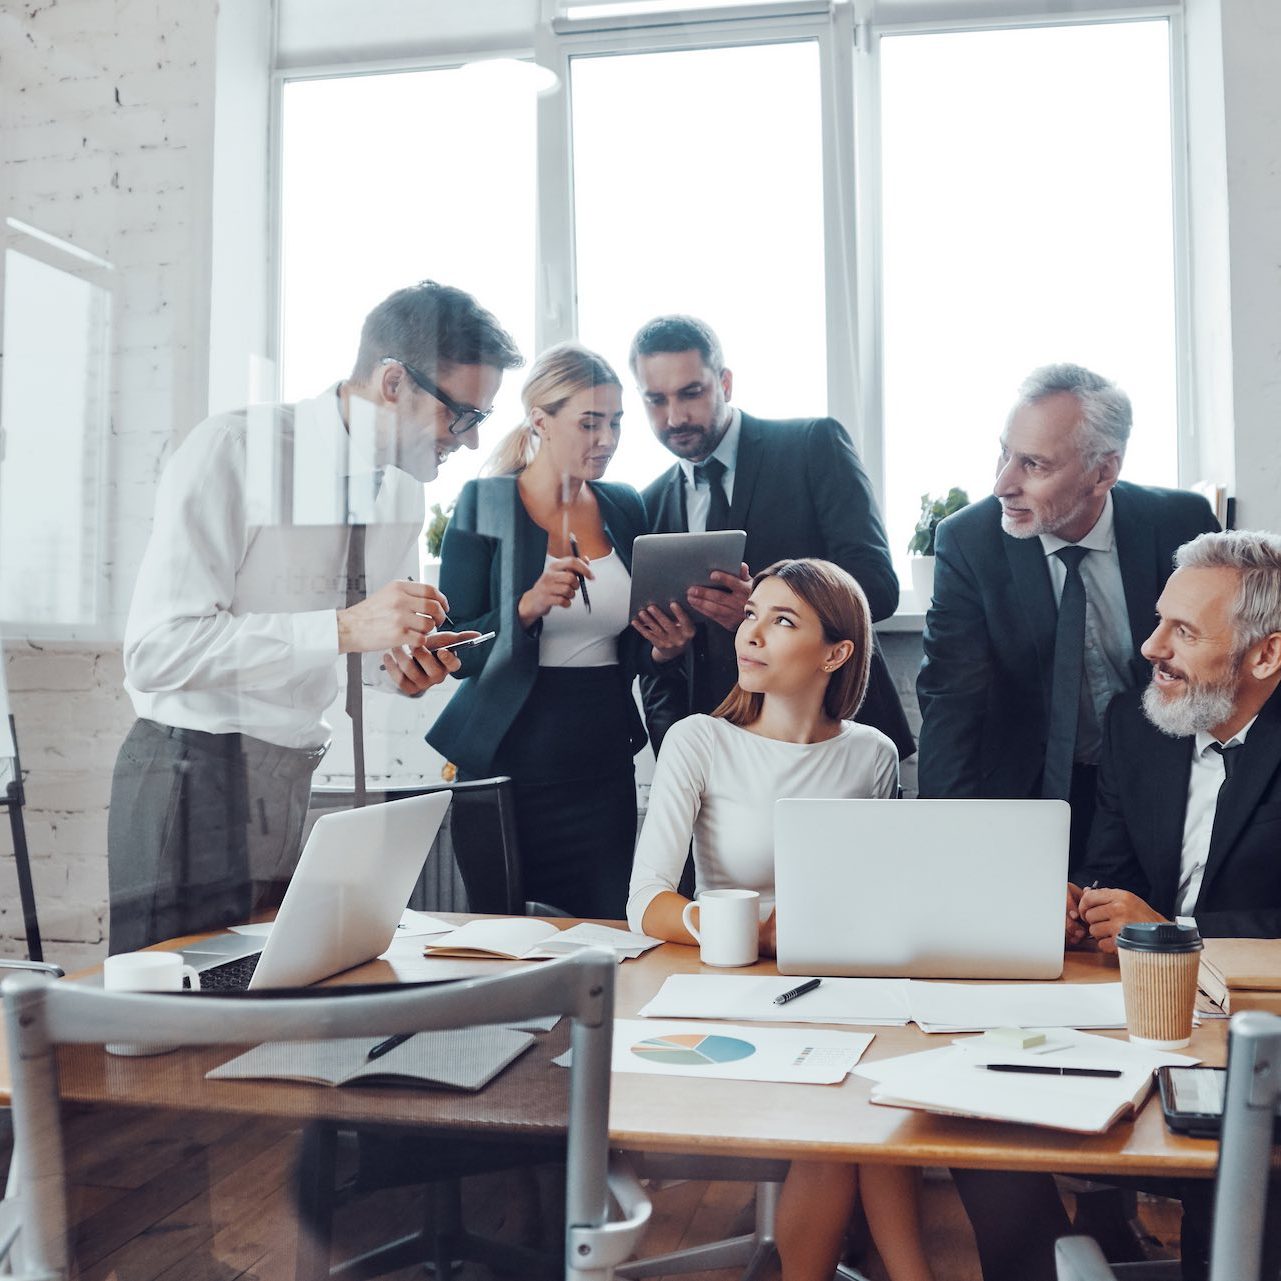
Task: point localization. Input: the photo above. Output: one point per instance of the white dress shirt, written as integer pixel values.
(1108, 643)
(718, 783)
(1204, 781)
(233, 626)
(698, 498)
(573, 637)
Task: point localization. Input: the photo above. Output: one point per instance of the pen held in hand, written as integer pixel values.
(386, 1047)
(808, 986)
(582, 582)
(1045, 1069)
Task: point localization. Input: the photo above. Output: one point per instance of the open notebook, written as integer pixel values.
(463, 1059)
(956, 1081)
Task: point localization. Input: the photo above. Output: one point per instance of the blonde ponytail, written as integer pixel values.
(515, 452)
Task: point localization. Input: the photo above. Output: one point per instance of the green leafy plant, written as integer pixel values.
(434, 534)
(932, 511)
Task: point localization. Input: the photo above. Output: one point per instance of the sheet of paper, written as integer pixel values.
(586, 934)
(518, 937)
(974, 1007)
(871, 1002)
(731, 1052)
(418, 925)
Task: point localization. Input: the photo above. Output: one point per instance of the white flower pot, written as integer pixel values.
(923, 580)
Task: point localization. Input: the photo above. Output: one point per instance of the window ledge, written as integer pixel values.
(904, 621)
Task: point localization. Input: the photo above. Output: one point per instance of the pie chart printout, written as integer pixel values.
(693, 1049)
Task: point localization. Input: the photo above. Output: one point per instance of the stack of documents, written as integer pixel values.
(1242, 974)
(958, 1081)
(935, 1007)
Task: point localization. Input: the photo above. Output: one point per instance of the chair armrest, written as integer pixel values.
(1080, 1259)
(37, 967)
(597, 1249)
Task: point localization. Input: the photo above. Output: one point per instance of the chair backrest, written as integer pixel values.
(1245, 1146)
(41, 1014)
(478, 838)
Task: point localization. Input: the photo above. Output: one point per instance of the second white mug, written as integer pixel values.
(145, 972)
(728, 930)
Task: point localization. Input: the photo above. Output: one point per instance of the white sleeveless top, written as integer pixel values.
(574, 638)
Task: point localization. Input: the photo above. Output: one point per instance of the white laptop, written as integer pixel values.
(343, 903)
(921, 889)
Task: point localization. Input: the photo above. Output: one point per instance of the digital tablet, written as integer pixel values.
(666, 566)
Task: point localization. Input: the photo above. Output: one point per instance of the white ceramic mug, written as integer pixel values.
(729, 926)
(146, 972)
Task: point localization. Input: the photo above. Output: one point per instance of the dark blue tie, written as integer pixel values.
(1229, 755)
(711, 474)
(1065, 685)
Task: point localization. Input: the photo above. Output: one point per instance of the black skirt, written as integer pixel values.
(569, 756)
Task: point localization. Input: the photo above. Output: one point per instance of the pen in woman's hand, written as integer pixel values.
(582, 582)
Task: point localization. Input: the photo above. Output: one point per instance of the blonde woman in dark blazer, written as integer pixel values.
(549, 702)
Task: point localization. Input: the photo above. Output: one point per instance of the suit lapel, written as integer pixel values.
(1136, 552)
(1237, 802)
(1167, 767)
(670, 518)
(531, 542)
(1035, 595)
(617, 531)
(747, 465)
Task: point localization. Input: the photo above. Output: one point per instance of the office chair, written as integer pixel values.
(1241, 1189)
(41, 1014)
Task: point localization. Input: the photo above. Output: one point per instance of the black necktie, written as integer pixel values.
(355, 704)
(1065, 684)
(1230, 758)
(711, 474)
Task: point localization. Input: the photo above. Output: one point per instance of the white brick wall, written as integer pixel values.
(106, 143)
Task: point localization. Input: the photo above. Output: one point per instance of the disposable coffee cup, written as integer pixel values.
(728, 931)
(145, 972)
(1159, 965)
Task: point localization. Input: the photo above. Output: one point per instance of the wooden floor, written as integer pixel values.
(208, 1198)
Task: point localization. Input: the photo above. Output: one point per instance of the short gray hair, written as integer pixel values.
(1106, 415)
(1256, 557)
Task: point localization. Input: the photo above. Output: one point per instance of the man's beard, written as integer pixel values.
(1195, 708)
(1049, 523)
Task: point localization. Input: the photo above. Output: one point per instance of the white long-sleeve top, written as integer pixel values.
(233, 626)
(717, 783)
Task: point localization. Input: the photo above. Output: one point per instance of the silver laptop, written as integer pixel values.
(921, 889)
(343, 903)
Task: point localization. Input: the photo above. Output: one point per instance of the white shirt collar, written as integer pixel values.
(1100, 538)
(1205, 741)
(726, 451)
(356, 437)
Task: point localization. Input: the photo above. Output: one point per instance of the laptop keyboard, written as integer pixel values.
(230, 976)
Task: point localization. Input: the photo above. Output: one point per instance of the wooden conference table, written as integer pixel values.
(659, 1114)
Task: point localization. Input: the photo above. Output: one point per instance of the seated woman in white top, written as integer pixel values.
(803, 648)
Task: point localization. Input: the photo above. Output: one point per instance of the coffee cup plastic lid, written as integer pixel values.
(1158, 936)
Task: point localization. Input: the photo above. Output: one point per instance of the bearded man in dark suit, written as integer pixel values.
(795, 485)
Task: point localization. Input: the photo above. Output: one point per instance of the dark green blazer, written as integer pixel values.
(492, 554)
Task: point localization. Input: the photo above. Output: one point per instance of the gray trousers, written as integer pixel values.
(201, 827)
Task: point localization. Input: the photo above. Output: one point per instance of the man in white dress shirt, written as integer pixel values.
(1190, 777)
(269, 523)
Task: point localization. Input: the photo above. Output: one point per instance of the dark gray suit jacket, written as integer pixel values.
(1136, 840)
(984, 687)
(492, 554)
(799, 490)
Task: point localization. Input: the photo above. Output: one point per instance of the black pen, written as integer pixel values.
(386, 1047)
(582, 582)
(1044, 1069)
(808, 986)
(445, 619)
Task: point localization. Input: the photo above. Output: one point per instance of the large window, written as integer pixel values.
(1014, 205)
(708, 201)
(389, 179)
(1026, 218)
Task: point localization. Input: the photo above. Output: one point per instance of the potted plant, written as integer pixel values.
(921, 547)
(433, 538)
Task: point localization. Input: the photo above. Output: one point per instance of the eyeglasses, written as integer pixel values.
(465, 417)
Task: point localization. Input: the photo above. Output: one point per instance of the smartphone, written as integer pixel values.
(462, 644)
(1192, 1099)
